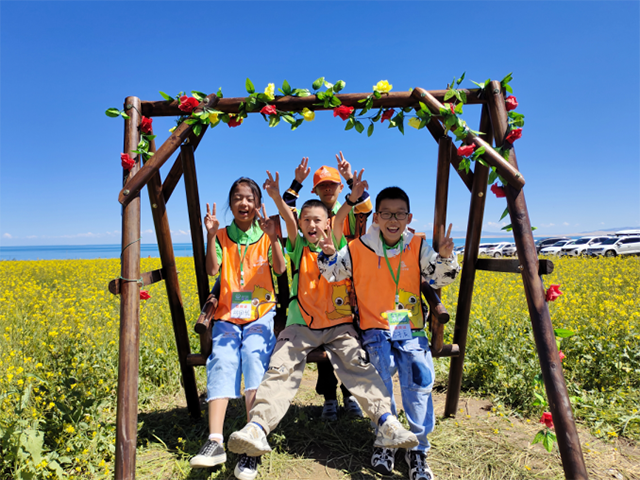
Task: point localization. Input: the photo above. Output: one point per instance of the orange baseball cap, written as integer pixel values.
(325, 174)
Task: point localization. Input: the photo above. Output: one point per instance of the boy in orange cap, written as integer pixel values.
(327, 184)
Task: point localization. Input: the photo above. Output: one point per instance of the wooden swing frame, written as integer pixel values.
(494, 124)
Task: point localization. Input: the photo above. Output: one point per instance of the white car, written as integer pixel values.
(492, 249)
(580, 246)
(509, 250)
(617, 246)
(555, 248)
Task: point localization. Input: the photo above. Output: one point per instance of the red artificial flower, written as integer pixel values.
(511, 102)
(187, 104)
(452, 108)
(144, 295)
(343, 112)
(498, 191)
(514, 135)
(268, 110)
(145, 125)
(553, 292)
(234, 121)
(466, 150)
(127, 161)
(547, 419)
(387, 115)
(562, 355)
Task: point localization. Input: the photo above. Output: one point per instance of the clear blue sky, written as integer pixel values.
(576, 77)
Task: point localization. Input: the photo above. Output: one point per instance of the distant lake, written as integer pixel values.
(70, 252)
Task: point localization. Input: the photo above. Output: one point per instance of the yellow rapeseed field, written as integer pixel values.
(59, 353)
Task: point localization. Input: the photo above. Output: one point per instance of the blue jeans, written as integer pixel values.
(412, 360)
(239, 350)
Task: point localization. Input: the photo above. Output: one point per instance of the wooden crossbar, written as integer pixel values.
(148, 278)
(545, 267)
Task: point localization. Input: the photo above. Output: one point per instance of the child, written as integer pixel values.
(243, 337)
(327, 185)
(386, 265)
(316, 317)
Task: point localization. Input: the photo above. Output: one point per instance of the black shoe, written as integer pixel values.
(418, 467)
(210, 455)
(383, 460)
(247, 467)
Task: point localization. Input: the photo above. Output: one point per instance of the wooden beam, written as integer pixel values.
(163, 154)
(148, 278)
(174, 175)
(493, 158)
(545, 267)
(550, 364)
(467, 278)
(164, 108)
(129, 346)
(195, 221)
(172, 284)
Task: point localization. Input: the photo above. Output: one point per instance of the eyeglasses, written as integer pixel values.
(389, 215)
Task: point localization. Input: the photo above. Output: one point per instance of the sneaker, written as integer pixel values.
(418, 467)
(247, 467)
(383, 460)
(352, 407)
(392, 434)
(330, 411)
(210, 455)
(251, 441)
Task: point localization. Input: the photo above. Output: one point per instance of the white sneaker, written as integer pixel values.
(352, 407)
(246, 468)
(383, 460)
(330, 411)
(392, 434)
(210, 455)
(251, 441)
(418, 466)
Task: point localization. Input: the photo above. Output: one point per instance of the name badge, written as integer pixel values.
(399, 324)
(241, 306)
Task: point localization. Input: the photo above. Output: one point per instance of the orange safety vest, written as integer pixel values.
(257, 277)
(375, 288)
(322, 304)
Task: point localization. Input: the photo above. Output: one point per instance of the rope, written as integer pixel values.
(139, 280)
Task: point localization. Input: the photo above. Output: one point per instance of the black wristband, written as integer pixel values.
(348, 201)
(295, 186)
(350, 182)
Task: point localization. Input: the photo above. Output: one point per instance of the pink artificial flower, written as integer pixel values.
(268, 110)
(466, 150)
(144, 295)
(511, 103)
(561, 355)
(145, 125)
(547, 419)
(553, 292)
(343, 112)
(187, 104)
(514, 135)
(498, 191)
(127, 161)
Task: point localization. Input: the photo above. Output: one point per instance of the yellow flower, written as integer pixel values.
(414, 122)
(270, 91)
(213, 119)
(382, 86)
(308, 115)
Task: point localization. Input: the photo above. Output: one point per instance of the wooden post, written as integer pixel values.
(559, 404)
(129, 347)
(440, 221)
(195, 221)
(465, 294)
(165, 247)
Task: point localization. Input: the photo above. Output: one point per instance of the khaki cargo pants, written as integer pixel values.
(282, 379)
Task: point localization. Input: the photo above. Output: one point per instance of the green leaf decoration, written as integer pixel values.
(168, 98)
(377, 94)
(505, 213)
(481, 85)
(289, 119)
(458, 109)
(552, 436)
(359, 127)
(506, 79)
(378, 115)
(462, 96)
(492, 178)
(335, 101)
(538, 438)
(350, 124)
(401, 125)
(274, 120)
(297, 124)
(510, 90)
(112, 112)
(547, 442)
(340, 84)
(286, 88)
(249, 86)
(197, 129)
(450, 94)
(329, 85)
(219, 93)
(191, 121)
(563, 332)
(321, 95)
(461, 78)
(482, 162)
(423, 123)
(370, 130)
(507, 228)
(124, 115)
(301, 92)
(199, 95)
(318, 83)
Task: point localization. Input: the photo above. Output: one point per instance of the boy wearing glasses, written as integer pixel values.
(386, 265)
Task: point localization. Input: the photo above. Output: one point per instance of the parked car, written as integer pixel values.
(493, 249)
(547, 242)
(580, 246)
(616, 246)
(623, 233)
(509, 250)
(555, 248)
(459, 250)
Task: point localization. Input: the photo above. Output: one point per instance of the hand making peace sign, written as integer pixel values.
(326, 243)
(210, 221)
(344, 167)
(267, 225)
(302, 170)
(358, 186)
(445, 242)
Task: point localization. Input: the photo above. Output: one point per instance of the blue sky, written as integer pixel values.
(576, 77)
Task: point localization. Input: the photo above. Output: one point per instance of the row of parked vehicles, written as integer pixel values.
(626, 242)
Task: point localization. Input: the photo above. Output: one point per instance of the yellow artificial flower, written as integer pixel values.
(309, 115)
(382, 86)
(213, 119)
(270, 91)
(414, 122)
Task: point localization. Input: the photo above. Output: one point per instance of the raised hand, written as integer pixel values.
(267, 225)
(358, 186)
(326, 243)
(344, 167)
(272, 186)
(302, 170)
(211, 223)
(446, 242)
